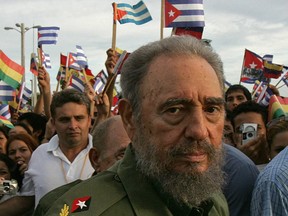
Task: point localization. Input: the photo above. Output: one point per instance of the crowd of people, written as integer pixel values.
(178, 145)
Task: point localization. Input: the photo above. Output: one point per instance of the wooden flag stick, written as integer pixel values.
(162, 19)
(281, 86)
(278, 82)
(85, 75)
(114, 26)
(39, 51)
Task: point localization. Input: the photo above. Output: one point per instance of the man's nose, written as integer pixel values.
(196, 126)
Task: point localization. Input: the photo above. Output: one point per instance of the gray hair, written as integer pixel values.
(137, 65)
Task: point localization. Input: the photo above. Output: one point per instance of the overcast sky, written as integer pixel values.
(233, 25)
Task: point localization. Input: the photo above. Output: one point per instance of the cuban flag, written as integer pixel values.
(137, 14)
(184, 13)
(48, 35)
(7, 92)
(27, 93)
(4, 111)
(77, 83)
(98, 85)
(46, 60)
(81, 57)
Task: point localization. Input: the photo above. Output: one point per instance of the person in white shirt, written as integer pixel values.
(64, 158)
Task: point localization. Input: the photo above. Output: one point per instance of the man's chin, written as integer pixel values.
(188, 166)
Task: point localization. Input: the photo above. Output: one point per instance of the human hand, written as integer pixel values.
(43, 79)
(102, 104)
(256, 149)
(90, 92)
(22, 166)
(111, 61)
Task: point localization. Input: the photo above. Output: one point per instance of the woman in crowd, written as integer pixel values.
(277, 137)
(19, 148)
(3, 138)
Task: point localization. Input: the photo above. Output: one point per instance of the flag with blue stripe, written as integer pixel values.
(184, 13)
(77, 84)
(27, 93)
(137, 14)
(81, 57)
(4, 111)
(7, 92)
(47, 35)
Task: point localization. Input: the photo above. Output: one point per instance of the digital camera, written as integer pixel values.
(249, 132)
(8, 187)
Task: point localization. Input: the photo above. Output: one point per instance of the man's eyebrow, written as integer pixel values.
(175, 101)
(214, 101)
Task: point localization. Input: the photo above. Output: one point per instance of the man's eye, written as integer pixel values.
(212, 109)
(173, 110)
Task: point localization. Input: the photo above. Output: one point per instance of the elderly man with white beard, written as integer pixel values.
(173, 111)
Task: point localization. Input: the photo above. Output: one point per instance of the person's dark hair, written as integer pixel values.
(238, 87)
(249, 106)
(137, 64)
(12, 167)
(67, 96)
(4, 130)
(36, 121)
(26, 138)
(275, 129)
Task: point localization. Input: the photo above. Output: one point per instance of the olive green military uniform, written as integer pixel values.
(119, 191)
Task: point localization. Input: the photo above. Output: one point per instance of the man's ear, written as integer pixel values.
(128, 120)
(94, 155)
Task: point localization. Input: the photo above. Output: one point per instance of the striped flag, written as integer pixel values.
(278, 106)
(81, 57)
(72, 61)
(184, 13)
(102, 76)
(268, 58)
(272, 70)
(47, 35)
(26, 97)
(46, 62)
(7, 92)
(10, 71)
(6, 122)
(77, 83)
(98, 85)
(4, 111)
(137, 14)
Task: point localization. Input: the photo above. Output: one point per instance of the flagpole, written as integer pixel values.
(114, 26)
(66, 68)
(242, 67)
(39, 52)
(162, 19)
(281, 86)
(85, 75)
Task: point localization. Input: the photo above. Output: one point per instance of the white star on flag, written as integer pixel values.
(81, 204)
(253, 65)
(171, 13)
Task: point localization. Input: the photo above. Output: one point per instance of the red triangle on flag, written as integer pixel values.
(120, 14)
(71, 59)
(171, 13)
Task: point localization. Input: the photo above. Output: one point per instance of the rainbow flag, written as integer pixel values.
(278, 106)
(6, 122)
(10, 71)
